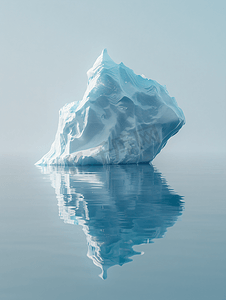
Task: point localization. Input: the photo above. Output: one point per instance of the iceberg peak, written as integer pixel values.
(123, 118)
(103, 61)
(104, 57)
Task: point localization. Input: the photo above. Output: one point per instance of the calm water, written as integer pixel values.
(117, 232)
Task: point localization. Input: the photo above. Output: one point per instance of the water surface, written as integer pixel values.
(172, 212)
(117, 206)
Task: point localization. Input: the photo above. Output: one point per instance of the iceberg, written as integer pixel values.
(123, 118)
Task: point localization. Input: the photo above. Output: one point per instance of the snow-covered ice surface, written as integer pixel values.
(123, 118)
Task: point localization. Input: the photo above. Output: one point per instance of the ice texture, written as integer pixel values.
(123, 118)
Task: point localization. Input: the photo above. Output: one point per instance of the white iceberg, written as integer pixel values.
(123, 118)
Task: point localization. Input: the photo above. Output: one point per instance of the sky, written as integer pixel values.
(48, 46)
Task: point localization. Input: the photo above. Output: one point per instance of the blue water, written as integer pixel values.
(116, 232)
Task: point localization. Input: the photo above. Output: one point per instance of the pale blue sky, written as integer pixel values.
(48, 46)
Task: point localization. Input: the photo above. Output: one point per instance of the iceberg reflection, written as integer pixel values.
(118, 206)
